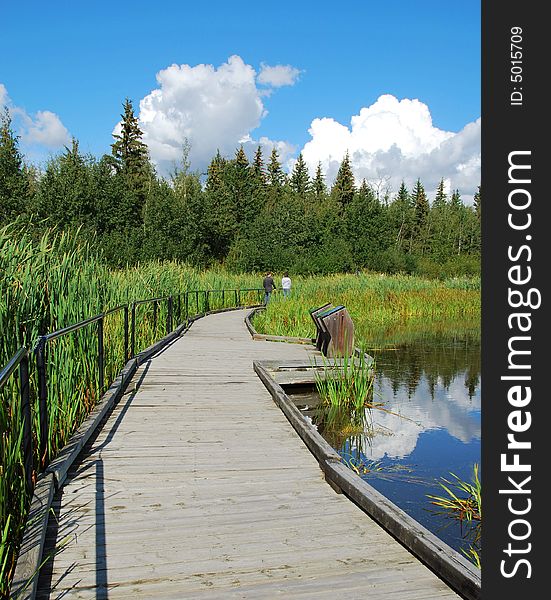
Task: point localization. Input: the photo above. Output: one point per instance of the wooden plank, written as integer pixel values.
(198, 486)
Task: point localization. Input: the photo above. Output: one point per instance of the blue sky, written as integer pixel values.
(79, 61)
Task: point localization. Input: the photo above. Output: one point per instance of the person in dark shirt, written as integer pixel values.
(269, 287)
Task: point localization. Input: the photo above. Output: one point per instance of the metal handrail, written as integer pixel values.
(21, 358)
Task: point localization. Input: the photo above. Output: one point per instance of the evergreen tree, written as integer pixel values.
(215, 173)
(66, 192)
(477, 204)
(257, 169)
(344, 186)
(457, 221)
(318, 184)
(130, 159)
(367, 228)
(441, 198)
(438, 224)
(421, 210)
(242, 189)
(129, 151)
(220, 218)
(276, 176)
(300, 179)
(401, 218)
(14, 184)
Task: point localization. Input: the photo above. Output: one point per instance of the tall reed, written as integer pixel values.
(345, 388)
(57, 281)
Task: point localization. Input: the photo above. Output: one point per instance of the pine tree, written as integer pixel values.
(401, 218)
(344, 186)
(318, 184)
(439, 224)
(129, 151)
(66, 192)
(421, 209)
(130, 159)
(215, 173)
(300, 179)
(257, 169)
(441, 197)
(457, 210)
(14, 185)
(276, 176)
(220, 218)
(477, 204)
(245, 201)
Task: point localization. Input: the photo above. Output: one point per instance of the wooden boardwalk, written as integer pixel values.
(197, 486)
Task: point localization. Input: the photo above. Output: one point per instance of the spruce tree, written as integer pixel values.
(441, 198)
(439, 223)
(66, 192)
(14, 184)
(421, 210)
(130, 159)
(457, 210)
(257, 169)
(300, 179)
(344, 186)
(477, 204)
(129, 151)
(276, 176)
(318, 184)
(215, 173)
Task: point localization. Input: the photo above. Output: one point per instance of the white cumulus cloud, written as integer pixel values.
(394, 140)
(213, 108)
(278, 75)
(43, 129)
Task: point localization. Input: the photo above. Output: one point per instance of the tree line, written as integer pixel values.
(247, 214)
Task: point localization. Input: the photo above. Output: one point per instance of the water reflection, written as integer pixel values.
(430, 425)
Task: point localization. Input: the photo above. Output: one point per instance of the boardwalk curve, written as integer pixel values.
(198, 487)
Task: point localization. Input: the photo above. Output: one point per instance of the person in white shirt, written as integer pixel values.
(286, 284)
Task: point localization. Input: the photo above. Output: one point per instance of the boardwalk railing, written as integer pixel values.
(35, 393)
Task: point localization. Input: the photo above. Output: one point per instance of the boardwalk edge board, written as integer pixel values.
(272, 338)
(25, 578)
(30, 560)
(453, 568)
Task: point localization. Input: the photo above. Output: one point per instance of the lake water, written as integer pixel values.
(432, 384)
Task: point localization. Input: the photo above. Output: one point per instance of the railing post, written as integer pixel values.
(169, 316)
(197, 300)
(236, 298)
(42, 400)
(223, 298)
(207, 293)
(186, 304)
(133, 331)
(101, 358)
(155, 319)
(126, 357)
(26, 420)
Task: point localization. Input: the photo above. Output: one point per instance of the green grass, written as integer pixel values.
(57, 281)
(381, 306)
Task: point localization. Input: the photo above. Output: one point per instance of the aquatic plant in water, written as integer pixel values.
(345, 387)
(464, 506)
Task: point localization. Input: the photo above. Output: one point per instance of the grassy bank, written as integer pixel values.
(382, 307)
